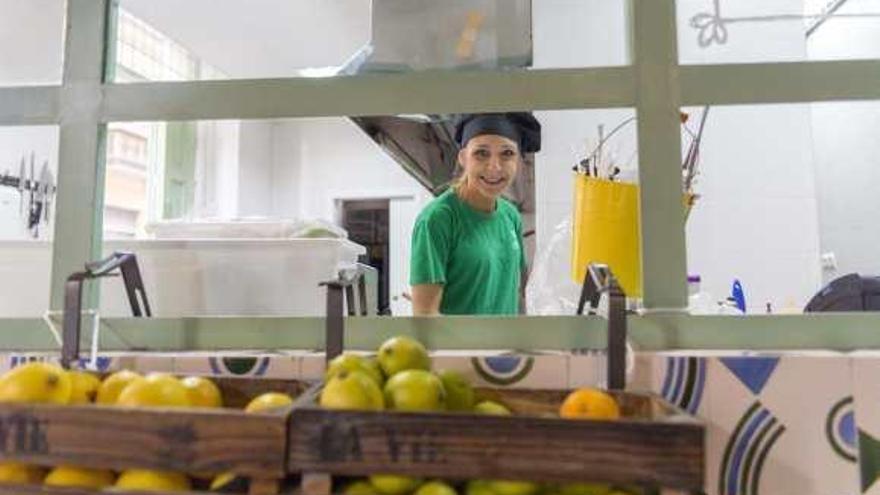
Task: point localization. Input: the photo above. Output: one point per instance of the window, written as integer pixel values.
(150, 166)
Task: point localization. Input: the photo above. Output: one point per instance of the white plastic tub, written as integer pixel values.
(233, 276)
(273, 277)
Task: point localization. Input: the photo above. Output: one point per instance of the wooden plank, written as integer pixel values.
(656, 447)
(169, 439)
(15, 489)
(316, 484)
(186, 440)
(263, 486)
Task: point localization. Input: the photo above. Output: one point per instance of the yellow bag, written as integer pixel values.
(605, 230)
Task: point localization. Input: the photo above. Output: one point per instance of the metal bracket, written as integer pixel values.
(339, 292)
(599, 280)
(72, 318)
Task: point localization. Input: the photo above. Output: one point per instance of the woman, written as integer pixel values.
(467, 251)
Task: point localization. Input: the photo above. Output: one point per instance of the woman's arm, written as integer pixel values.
(426, 299)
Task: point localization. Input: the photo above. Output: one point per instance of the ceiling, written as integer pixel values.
(261, 38)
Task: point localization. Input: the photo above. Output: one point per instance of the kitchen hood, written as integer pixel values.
(408, 35)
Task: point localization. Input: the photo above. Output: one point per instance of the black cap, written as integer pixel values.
(520, 127)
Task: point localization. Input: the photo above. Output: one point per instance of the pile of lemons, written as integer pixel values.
(402, 485)
(399, 377)
(47, 383)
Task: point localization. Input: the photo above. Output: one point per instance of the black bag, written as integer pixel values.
(851, 292)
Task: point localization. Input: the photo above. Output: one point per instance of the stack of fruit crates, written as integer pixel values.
(420, 426)
(391, 419)
(61, 423)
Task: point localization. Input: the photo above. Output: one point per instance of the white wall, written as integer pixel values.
(321, 161)
(339, 161)
(572, 33)
(846, 150)
(756, 220)
(255, 167)
(31, 34)
(287, 169)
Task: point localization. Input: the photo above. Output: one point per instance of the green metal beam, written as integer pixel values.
(839, 332)
(433, 92)
(655, 58)
(29, 105)
(780, 83)
(593, 88)
(79, 206)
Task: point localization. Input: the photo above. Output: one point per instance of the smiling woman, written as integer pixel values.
(467, 249)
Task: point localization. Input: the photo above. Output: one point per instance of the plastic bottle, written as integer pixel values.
(699, 301)
(729, 307)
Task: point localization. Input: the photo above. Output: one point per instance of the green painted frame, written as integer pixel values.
(655, 85)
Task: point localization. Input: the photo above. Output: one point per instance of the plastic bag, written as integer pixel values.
(550, 290)
(318, 228)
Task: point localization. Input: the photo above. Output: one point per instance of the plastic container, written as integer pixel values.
(273, 277)
(245, 228)
(606, 230)
(699, 302)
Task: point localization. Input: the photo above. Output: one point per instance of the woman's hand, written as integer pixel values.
(426, 299)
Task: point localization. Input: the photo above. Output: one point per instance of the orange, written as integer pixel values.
(589, 403)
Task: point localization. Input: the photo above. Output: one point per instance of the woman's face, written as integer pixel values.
(490, 164)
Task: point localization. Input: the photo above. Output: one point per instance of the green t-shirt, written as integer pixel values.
(477, 256)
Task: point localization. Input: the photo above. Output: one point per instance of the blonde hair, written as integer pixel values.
(458, 182)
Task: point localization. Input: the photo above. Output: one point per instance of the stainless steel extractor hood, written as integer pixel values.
(451, 35)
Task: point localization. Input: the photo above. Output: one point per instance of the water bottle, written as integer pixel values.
(699, 301)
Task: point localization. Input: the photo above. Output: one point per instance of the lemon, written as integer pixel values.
(202, 392)
(268, 401)
(402, 353)
(79, 477)
(508, 487)
(223, 482)
(387, 484)
(459, 392)
(13, 472)
(111, 387)
(36, 382)
(492, 408)
(85, 387)
(435, 488)
(478, 487)
(352, 390)
(415, 390)
(354, 362)
(359, 487)
(550, 489)
(156, 390)
(584, 489)
(153, 481)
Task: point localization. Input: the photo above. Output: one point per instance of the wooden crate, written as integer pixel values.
(173, 439)
(654, 444)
